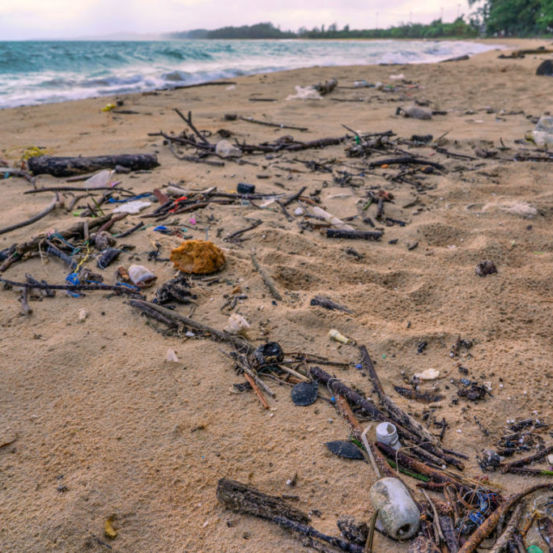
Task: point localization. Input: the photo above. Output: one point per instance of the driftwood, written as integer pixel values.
(247, 500)
(526, 460)
(353, 234)
(338, 387)
(68, 166)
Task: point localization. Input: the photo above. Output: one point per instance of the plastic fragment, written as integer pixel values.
(428, 374)
(109, 531)
(345, 449)
(305, 393)
(337, 336)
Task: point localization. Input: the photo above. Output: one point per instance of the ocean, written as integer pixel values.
(36, 72)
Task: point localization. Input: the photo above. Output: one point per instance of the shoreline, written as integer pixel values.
(105, 428)
(152, 89)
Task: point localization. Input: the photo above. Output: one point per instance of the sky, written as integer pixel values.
(59, 19)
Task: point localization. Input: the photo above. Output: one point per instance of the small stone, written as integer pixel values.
(83, 315)
(416, 112)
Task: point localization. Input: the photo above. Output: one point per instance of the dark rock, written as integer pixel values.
(485, 268)
(545, 68)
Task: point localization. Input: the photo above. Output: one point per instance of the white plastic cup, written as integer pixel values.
(386, 433)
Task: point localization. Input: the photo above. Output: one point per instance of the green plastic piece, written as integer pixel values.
(534, 549)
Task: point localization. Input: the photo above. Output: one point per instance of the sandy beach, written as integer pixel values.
(96, 424)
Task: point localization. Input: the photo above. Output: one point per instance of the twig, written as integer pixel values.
(268, 124)
(256, 389)
(17, 173)
(238, 233)
(130, 231)
(294, 197)
(188, 121)
(266, 278)
(33, 219)
(222, 336)
(370, 537)
(87, 192)
(436, 518)
(73, 287)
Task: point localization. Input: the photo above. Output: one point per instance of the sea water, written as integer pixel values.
(35, 72)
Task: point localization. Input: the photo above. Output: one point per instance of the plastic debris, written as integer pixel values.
(398, 514)
(225, 149)
(428, 374)
(334, 221)
(543, 133)
(337, 336)
(109, 531)
(415, 112)
(386, 433)
(305, 393)
(245, 188)
(305, 93)
(141, 276)
(107, 257)
(171, 356)
(100, 180)
(133, 207)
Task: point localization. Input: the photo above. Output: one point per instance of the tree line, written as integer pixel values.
(514, 17)
(437, 29)
(490, 18)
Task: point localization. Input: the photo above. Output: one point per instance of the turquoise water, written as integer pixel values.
(40, 72)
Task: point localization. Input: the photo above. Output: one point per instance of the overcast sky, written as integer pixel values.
(27, 19)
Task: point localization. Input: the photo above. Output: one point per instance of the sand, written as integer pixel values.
(105, 427)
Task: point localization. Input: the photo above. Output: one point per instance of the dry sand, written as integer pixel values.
(105, 427)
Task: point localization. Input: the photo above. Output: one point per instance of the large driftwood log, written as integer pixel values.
(68, 166)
